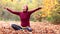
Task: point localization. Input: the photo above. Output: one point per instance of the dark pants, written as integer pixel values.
(16, 27)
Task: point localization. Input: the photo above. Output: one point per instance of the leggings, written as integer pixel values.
(17, 27)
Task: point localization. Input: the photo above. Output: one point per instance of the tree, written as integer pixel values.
(48, 6)
(55, 14)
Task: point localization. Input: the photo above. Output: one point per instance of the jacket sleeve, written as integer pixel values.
(32, 11)
(14, 12)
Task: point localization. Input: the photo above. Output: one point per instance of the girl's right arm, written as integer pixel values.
(12, 11)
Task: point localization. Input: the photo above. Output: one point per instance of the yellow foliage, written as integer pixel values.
(48, 5)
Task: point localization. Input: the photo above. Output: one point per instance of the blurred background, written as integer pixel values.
(49, 12)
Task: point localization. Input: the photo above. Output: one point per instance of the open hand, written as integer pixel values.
(5, 7)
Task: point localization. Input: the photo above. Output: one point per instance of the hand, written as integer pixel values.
(40, 7)
(5, 7)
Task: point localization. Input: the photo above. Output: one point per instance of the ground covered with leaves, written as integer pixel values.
(38, 28)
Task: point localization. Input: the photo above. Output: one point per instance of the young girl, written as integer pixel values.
(24, 16)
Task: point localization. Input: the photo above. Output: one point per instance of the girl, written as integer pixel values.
(24, 16)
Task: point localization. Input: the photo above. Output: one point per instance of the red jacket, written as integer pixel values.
(24, 16)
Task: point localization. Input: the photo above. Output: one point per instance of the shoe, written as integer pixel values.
(29, 29)
(16, 27)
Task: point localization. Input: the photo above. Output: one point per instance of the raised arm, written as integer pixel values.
(12, 11)
(34, 10)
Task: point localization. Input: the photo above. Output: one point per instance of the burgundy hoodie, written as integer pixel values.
(24, 16)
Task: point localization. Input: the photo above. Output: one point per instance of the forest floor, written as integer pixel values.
(38, 28)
